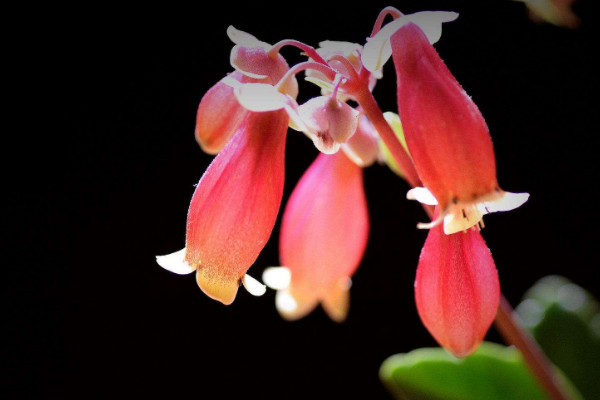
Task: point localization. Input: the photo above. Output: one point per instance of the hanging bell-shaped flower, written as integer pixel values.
(446, 135)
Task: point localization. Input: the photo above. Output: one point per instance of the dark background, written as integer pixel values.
(106, 164)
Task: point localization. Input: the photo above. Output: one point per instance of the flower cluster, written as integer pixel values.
(438, 142)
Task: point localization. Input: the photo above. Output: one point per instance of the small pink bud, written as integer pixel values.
(219, 115)
(323, 237)
(457, 290)
(330, 122)
(254, 59)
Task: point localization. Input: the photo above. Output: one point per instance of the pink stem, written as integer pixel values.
(395, 13)
(303, 66)
(309, 50)
(371, 109)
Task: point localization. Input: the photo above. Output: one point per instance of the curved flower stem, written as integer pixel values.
(303, 66)
(394, 12)
(514, 334)
(371, 109)
(309, 50)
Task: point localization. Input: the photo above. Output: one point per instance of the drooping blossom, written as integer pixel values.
(235, 204)
(457, 291)
(234, 208)
(447, 136)
(323, 237)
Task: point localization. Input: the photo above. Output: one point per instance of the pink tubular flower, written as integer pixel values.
(234, 208)
(447, 137)
(323, 237)
(219, 113)
(457, 289)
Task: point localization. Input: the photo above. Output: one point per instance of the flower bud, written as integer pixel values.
(457, 291)
(330, 122)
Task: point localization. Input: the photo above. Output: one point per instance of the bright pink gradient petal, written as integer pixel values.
(219, 115)
(457, 290)
(324, 230)
(446, 134)
(235, 205)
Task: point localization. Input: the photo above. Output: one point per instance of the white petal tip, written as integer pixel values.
(259, 97)
(243, 38)
(254, 287)
(277, 278)
(422, 195)
(175, 262)
(377, 50)
(508, 201)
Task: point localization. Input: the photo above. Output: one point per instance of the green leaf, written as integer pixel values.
(493, 372)
(563, 318)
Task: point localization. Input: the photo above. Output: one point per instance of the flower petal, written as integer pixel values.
(244, 39)
(235, 205)
(422, 195)
(277, 277)
(217, 287)
(219, 115)
(292, 308)
(457, 290)
(175, 262)
(506, 202)
(377, 50)
(336, 302)
(254, 287)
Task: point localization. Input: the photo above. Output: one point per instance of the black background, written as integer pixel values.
(106, 163)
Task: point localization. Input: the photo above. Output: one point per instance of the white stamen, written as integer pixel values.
(277, 278)
(253, 286)
(175, 262)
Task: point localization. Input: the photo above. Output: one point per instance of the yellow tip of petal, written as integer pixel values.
(175, 262)
(291, 308)
(223, 290)
(336, 302)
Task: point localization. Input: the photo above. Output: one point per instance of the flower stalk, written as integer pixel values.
(512, 331)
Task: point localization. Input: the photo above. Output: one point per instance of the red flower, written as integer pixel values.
(323, 237)
(446, 135)
(234, 208)
(457, 289)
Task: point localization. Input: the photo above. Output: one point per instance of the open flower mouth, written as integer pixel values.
(460, 216)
